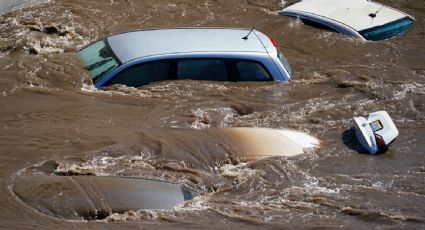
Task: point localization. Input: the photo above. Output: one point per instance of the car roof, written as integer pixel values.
(144, 43)
(352, 13)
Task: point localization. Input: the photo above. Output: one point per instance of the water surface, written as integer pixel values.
(53, 122)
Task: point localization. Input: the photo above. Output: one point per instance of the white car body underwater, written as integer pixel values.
(260, 143)
(96, 197)
(364, 19)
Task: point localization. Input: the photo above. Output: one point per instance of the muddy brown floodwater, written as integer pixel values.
(53, 122)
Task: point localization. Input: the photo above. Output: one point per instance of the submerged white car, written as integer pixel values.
(359, 18)
(138, 58)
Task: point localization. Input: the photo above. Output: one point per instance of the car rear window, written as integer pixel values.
(388, 30)
(252, 71)
(99, 59)
(202, 69)
(142, 74)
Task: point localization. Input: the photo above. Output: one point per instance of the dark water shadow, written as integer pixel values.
(350, 140)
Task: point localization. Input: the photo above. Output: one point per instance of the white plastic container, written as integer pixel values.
(376, 131)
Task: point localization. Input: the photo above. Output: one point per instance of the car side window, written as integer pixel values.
(142, 74)
(318, 25)
(252, 71)
(202, 69)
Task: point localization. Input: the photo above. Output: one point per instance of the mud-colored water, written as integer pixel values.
(53, 122)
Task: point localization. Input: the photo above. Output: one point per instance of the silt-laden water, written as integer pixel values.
(53, 122)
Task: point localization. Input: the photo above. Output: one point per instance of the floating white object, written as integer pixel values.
(376, 131)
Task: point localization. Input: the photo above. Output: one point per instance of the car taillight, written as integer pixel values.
(380, 142)
(273, 41)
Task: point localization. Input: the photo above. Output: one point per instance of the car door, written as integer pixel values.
(142, 74)
(216, 69)
(251, 71)
(211, 69)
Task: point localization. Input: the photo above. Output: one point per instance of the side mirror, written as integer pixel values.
(376, 131)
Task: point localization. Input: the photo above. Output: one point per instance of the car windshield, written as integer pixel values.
(388, 30)
(284, 62)
(99, 59)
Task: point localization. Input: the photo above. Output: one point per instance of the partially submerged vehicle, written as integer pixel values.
(96, 197)
(375, 132)
(260, 143)
(359, 18)
(137, 58)
(237, 143)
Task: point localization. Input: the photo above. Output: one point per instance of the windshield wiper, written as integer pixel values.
(104, 72)
(98, 64)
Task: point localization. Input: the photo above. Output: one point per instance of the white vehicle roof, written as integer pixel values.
(352, 13)
(136, 44)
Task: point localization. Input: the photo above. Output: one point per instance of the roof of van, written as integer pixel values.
(353, 13)
(144, 43)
